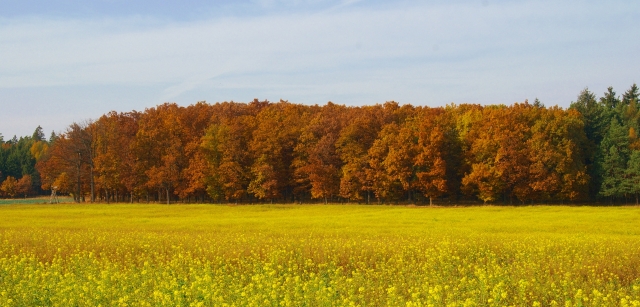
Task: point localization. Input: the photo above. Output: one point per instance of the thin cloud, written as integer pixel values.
(357, 54)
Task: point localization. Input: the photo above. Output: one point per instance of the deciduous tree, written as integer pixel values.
(72, 153)
(24, 186)
(317, 163)
(9, 186)
(353, 146)
(433, 147)
(160, 148)
(277, 130)
(499, 155)
(557, 155)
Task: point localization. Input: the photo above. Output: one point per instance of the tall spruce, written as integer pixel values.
(615, 154)
(610, 100)
(595, 119)
(631, 183)
(38, 135)
(632, 94)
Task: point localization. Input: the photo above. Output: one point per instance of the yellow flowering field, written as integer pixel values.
(335, 255)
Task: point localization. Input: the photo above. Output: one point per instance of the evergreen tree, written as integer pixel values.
(615, 154)
(38, 135)
(538, 104)
(631, 182)
(592, 115)
(632, 94)
(609, 100)
(617, 136)
(12, 165)
(630, 115)
(4, 152)
(596, 119)
(2, 161)
(611, 107)
(613, 171)
(53, 137)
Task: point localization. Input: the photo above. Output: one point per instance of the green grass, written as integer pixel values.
(318, 255)
(33, 200)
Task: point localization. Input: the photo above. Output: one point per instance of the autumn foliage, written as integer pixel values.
(284, 152)
(385, 153)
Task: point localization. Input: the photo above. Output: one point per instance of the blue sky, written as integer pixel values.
(66, 61)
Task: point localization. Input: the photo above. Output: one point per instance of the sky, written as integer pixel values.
(70, 61)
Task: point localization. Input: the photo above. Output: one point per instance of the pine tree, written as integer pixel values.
(609, 100)
(632, 94)
(614, 153)
(630, 114)
(53, 137)
(592, 114)
(538, 104)
(38, 135)
(631, 181)
(613, 172)
(595, 118)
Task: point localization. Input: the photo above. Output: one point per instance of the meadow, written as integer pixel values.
(33, 200)
(318, 255)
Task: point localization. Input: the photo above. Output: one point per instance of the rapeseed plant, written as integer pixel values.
(318, 256)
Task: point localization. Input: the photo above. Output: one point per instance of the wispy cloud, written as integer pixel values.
(344, 3)
(346, 51)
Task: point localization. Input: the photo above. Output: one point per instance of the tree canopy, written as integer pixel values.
(387, 153)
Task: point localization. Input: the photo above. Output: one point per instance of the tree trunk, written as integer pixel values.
(168, 199)
(430, 201)
(79, 182)
(93, 194)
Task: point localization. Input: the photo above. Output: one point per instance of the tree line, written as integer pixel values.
(386, 153)
(18, 157)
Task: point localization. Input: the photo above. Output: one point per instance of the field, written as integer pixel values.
(289, 255)
(38, 200)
